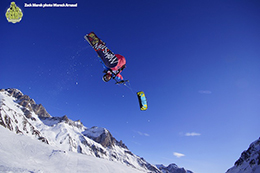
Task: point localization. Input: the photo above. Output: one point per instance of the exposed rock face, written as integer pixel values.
(249, 160)
(20, 114)
(54, 120)
(172, 168)
(247, 156)
(103, 136)
(28, 103)
(105, 139)
(18, 119)
(40, 110)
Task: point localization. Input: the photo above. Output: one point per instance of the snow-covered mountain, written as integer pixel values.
(172, 168)
(22, 154)
(249, 161)
(60, 137)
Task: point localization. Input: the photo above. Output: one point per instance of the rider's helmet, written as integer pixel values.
(107, 77)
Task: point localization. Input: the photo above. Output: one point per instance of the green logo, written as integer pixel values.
(14, 14)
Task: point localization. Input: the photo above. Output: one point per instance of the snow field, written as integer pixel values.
(20, 153)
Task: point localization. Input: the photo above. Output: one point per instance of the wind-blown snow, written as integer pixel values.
(19, 153)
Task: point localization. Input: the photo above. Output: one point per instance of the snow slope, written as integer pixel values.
(21, 115)
(20, 153)
(53, 144)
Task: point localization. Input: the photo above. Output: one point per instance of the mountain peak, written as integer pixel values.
(172, 168)
(51, 121)
(249, 160)
(27, 103)
(18, 117)
(20, 114)
(103, 136)
(13, 92)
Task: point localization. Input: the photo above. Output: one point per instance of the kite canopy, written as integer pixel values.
(142, 100)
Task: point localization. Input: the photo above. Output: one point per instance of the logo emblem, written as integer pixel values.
(94, 38)
(14, 14)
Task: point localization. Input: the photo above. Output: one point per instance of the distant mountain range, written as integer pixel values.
(21, 115)
(172, 168)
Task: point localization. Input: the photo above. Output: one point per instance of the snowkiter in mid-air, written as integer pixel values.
(115, 71)
(112, 63)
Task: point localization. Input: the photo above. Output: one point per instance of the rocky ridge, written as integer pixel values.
(172, 168)
(20, 114)
(249, 161)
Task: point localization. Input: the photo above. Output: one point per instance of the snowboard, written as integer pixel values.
(105, 54)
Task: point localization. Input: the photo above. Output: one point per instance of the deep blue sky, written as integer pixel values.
(197, 61)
